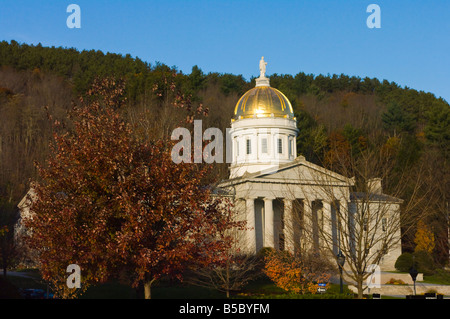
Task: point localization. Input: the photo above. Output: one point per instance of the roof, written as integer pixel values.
(374, 197)
(25, 201)
(263, 101)
(281, 175)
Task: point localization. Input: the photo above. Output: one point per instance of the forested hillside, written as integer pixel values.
(332, 110)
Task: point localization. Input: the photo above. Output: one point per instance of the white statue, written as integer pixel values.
(262, 68)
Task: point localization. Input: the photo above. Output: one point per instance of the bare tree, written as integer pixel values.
(353, 215)
(235, 268)
(235, 271)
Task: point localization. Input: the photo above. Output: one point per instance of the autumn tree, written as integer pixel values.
(294, 274)
(114, 204)
(424, 238)
(339, 151)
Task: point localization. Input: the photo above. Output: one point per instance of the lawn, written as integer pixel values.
(261, 288)
(440, 277)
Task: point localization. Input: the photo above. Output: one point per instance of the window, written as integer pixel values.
(237, 147)
(264, 145)
(293, 147)
(384, 224)
(280, 146)
(249, 146)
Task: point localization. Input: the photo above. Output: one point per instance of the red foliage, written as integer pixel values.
(113, 204)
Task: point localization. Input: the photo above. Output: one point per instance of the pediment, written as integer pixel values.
(303, 172)
(299, 171)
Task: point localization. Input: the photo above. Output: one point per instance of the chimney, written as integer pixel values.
(374, 186)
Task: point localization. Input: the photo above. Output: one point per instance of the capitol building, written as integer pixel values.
(290, 203)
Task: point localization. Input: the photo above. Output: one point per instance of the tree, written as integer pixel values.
(424, 238)
(196, 80)
(437, 129)
(232, 270)
(174, 221)
(312, 137)
(292, 273)
(396, 120)
(8, 249)
(114, 204)
(356, 215)
(230, 275)
(339, 151)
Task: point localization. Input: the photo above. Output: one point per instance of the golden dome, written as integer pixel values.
(263, 101)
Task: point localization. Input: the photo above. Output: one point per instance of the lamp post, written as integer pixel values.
(413, 272)
(341, 262)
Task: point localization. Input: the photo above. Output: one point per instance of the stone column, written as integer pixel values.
(307, 234)
(316, 207)
(327, 232)
(334, 226)
(288, 225)
(268, 223)
(251, 232)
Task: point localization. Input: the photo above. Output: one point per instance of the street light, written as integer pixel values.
(341, 262)
(413, 272)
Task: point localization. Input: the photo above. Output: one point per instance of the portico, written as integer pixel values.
(284, 211)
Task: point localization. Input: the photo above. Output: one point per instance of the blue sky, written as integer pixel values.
(412, 47)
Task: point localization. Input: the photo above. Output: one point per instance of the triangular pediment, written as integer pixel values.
(299, 171)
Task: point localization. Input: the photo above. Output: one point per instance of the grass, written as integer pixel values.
(257, 289)
(440, 277)
(164, 290)
(261, 288)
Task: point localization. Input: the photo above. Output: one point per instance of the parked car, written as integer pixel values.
(35, 294)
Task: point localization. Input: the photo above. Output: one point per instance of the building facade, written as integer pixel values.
(290, 203)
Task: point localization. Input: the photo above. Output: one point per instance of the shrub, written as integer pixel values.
(291, 274)
(404, 262)
(423, 261)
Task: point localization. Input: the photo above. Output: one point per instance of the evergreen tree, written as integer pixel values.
(395, 120)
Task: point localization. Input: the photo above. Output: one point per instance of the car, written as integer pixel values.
(35, 294)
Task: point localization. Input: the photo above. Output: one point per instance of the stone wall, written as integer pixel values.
(403, 290)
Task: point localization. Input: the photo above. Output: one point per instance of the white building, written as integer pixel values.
(290, 203)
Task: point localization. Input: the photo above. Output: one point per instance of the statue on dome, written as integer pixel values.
(262, 68)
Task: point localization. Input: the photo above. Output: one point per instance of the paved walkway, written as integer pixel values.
(16, 273)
